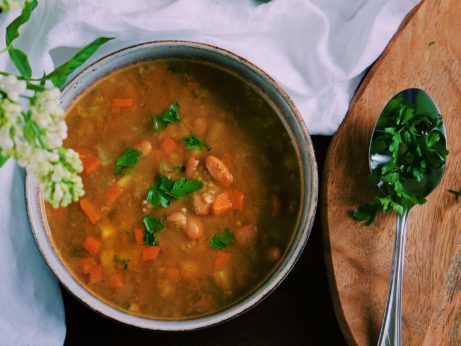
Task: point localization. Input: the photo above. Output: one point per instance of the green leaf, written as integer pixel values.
(122, 261)
(129, 159)
(184, 186)
(165, 190)
(194, 143)
(416, 143)
(3, 158)
(21, 62)
(221, 241)
(366, 213)
(170, 116)
(59, 75)
(152, 225)
(12, 30)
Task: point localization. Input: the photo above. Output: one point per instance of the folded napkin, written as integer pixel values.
(317, 50)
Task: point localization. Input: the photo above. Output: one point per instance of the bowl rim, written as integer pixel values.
(303, 228)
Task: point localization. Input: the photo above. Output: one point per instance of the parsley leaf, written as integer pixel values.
(194, 143)
(457, 193)
(165, 190)
(221, 241)
(152, 225)
(129, 159)
(122, 261)
(170, 116)
(415, 146)
(366, 213)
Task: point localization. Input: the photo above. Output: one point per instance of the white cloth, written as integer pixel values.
(317, 50)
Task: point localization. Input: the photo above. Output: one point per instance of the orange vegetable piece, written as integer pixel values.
(89, 160)
(150, 253)
(95, 274)
(91, 245)
(93, 212)
(86, 264)
(223, 259)
(122, 102)
(219, 171)
(139, 236)
(222, 204)
(115, 281)
(168, 145)
(113, 194)
(237, 199)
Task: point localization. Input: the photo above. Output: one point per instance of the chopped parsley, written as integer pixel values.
(221, 241)
(129, 159)
(415, 145)
(152, 225)
(170, 116)
(166, 190)
(194, 143)
(431, 43)
(122, 261)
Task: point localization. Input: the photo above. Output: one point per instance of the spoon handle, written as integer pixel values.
(391, 329)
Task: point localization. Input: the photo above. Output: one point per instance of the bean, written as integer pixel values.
(245, 235)
(219, 171)
(201, 207)
(144, 146)
(177, 218)
(194, 228)
(200, 126)
(191, 167)
(273, 253)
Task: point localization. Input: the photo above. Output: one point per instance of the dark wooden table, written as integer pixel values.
(299, 312)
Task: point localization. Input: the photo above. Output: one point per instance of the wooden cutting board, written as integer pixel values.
(426, 53)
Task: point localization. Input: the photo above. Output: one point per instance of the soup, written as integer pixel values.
(192, 190)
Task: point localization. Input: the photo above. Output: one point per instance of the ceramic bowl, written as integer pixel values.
(293, 124)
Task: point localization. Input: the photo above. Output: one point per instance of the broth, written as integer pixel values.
(218, 243)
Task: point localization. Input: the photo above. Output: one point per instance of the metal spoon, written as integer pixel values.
(391, 329)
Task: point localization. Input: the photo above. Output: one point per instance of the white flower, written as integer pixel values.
(12, 5)
(34, 138)
(13, 87)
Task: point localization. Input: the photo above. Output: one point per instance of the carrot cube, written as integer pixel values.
(91, 245)
(95, 274)
(222, 204)
(115, 281)
(93, 212)
(86, 264)
(150, 253)
(168, 145)
(113, 194)
(122, 102)
(139, 236)
(89, 160)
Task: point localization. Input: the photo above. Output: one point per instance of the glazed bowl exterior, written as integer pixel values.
(293, 124)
